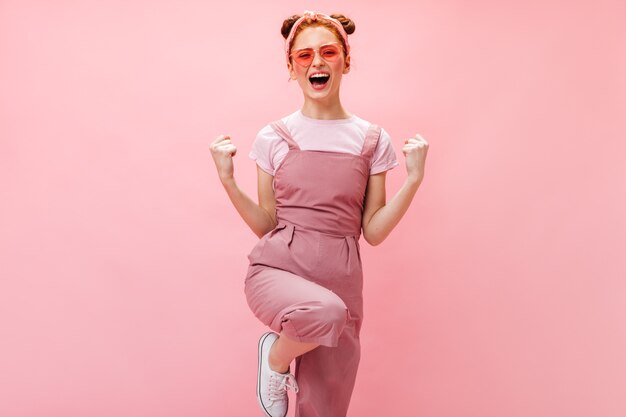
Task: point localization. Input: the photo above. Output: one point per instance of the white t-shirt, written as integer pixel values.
(339, 135)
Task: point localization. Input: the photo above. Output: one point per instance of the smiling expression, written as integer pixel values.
(311, 78)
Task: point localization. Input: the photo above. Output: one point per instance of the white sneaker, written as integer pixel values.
(272, 386)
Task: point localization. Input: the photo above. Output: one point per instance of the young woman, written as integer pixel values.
(321, 180)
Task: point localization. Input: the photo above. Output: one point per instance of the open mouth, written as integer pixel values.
(319, 80)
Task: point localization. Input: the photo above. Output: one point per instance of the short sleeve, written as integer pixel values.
(262, 147)
(384, 156)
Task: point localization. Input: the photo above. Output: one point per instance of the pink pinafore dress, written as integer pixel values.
(305, 277)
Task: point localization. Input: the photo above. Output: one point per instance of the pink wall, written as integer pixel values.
(501, 293)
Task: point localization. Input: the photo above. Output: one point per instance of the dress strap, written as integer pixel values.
(280, 128)
(371, 140)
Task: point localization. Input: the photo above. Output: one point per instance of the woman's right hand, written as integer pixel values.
(223, 151)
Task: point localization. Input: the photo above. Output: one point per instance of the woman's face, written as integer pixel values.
(314, 37)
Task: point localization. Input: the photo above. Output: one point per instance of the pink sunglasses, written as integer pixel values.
(329, 53)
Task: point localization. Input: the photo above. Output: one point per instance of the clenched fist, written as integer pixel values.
(223, 151)
(415, 150)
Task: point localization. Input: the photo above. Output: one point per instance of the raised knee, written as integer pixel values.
(334, 311)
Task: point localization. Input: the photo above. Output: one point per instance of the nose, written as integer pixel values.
(317, 59)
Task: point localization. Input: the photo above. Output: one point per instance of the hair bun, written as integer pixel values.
(288, 24)
(348, 24)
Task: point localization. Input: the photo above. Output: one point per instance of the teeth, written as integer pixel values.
(319, 75)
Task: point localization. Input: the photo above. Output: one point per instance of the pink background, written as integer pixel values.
(501, 293)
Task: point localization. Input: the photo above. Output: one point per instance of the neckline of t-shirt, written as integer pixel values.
(350, 119)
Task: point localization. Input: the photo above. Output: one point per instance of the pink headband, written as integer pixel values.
(315, 16)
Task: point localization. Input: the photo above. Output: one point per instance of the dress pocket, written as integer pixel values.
(256, 251)
(273, 243)
(256, 254)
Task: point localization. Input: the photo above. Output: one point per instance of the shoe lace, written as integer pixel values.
(279, 384)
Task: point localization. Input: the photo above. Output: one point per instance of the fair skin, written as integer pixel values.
(379, 216)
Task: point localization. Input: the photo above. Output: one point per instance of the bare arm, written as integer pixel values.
(380, 218)
(261, 217)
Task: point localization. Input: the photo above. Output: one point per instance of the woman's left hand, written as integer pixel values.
(415, 150)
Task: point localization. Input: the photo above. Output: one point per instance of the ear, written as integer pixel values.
(292, 73)
(346, 68)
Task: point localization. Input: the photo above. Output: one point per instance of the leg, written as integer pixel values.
(317, 328)
(326, 377)
(297, 308)
(285, 350)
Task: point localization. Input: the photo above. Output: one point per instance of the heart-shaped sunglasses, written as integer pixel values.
(329, 53)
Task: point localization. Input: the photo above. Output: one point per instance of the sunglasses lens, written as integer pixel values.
(330, 52)
(304, 56)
